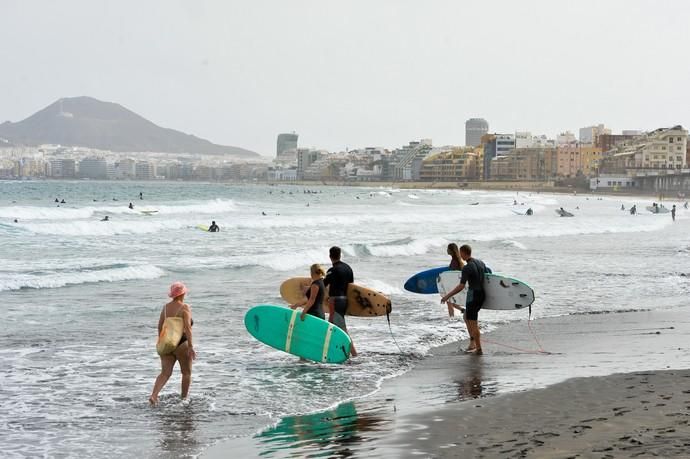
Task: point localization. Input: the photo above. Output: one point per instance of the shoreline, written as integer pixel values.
(516, 186)
(421, 411)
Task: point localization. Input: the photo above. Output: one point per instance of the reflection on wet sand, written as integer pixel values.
(340, 432)
(469, 381)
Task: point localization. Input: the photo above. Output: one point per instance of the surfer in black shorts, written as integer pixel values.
(338, 277)
(472, 273)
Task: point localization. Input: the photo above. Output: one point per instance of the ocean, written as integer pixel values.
(81, 296)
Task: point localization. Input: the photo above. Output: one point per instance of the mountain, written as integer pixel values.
(88, 122)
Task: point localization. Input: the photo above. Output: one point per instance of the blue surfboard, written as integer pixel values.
(425, 281)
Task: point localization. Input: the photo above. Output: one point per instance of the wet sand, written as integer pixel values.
(608, 385)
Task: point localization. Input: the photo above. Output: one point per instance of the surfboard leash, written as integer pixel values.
(388, 318)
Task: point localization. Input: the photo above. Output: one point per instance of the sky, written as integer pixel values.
(352, 74)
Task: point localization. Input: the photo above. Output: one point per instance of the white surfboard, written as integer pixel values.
(502, 293)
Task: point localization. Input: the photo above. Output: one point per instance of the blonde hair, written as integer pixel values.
(317, 269)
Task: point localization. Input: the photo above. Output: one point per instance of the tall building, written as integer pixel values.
(305, 157)
(145, 170)
(495, 146)
(475, 128)
(286, 142)
(93, 168)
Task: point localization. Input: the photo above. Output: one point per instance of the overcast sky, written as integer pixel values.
(353, 73)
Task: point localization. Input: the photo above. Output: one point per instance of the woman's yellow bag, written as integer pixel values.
(170, 336)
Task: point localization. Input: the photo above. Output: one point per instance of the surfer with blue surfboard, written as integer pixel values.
(472, 274)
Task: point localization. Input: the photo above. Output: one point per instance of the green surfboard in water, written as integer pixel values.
(312, 338)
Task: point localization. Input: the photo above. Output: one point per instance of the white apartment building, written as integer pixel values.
(505, 143)
(665, 148)
(566, 138)
(525, 139)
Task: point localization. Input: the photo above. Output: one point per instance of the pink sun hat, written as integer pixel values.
(177, 289)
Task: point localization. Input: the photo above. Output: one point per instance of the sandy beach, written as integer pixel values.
(606, 385)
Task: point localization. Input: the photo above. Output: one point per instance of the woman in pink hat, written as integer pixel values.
(184, 353)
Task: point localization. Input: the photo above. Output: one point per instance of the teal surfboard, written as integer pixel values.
(312, 338)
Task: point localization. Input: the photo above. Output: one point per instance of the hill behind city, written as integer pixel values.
(88, 122)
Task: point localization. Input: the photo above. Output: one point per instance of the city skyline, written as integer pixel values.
(356, 74)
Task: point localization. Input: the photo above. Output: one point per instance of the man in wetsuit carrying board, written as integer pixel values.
(472, 273)
(338, 277)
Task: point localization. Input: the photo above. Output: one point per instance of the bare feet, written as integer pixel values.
(475, 351)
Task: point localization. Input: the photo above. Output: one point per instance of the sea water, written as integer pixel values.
(81, 297)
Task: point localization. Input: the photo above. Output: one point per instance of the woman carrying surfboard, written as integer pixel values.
(314, 303)
(175, 341)
(456, 264)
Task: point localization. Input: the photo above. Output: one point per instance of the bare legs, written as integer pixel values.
(167, 364)
(181, 355)
(475, 343)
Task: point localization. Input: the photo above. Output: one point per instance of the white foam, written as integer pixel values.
(61, 279)
(414, 247)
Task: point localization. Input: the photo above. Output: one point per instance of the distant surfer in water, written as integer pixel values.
(456, 264)
(673, 212)
(184, 353)
(339, 276)
(315, 293)
(213, 228)
(105, 219)
(131, 206)
(472, 274)
(529, 211)
(141, 195)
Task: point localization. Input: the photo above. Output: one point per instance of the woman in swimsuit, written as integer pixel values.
(184, 353)
(456, 264)
(314, 303)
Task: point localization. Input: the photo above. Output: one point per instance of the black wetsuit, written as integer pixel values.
(339, 276)
(214, 228)
(473, 275)
(317, 308)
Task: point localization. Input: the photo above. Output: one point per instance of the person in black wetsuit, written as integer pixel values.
(184, 353)
(338, 277)
(472, 273)
(213, 228)
(456, 264)
(315, 293)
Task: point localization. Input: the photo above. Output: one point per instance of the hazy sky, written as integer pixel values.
(353, 73)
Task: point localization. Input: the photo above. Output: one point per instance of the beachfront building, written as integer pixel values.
(305, 157)
(62, 168)
(453, 165)
(495, 146)
(529, 164)
(408, 159)
(475, 128)
(577, 159)
(286, 142)
(145, 170)
(93, 168)
(608, 142)
(590, 135)
(663, 148)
